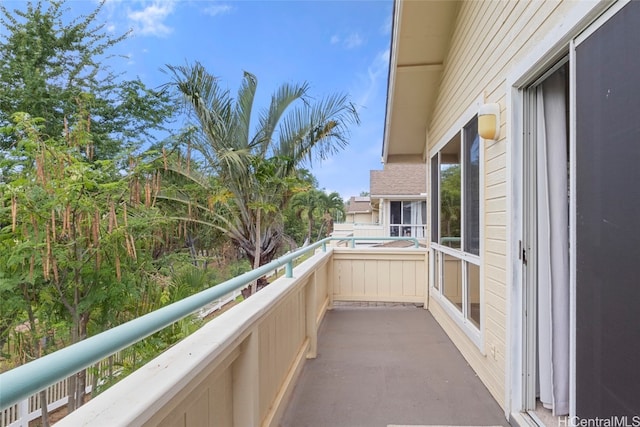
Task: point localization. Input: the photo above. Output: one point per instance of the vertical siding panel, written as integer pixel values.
(396, 279)
(343, 280)
(271, 357)
(301, 320)
(408, 278)
(337, 277)
(197, 413)
(265, 349)
(383, 273)
(421, 271)
(221, 401)
(371, 278)
(321, 288)
(358, 277)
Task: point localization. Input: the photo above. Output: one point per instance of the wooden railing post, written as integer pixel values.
(427, 268)
(246, 390)
(330, 282)
(310, 309)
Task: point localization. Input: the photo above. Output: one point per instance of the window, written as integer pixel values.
(450, 191)
(472, 188)
(434, 198)
(455, 222)
(408, 218)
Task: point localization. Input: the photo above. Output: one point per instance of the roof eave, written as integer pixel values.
(420, 42)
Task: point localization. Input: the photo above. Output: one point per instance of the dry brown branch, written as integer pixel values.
(14, 213)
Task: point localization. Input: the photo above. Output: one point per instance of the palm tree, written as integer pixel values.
(332, 206)
(308, 204)
(258, 169)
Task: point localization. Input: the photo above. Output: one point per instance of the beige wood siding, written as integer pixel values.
(213, 403)
(322, 290)
(282, 336)
(390, 275)
(363, 218)
(489, 38)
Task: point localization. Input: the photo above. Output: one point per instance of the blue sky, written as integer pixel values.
(336, 46)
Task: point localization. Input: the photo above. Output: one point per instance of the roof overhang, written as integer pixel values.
(419, 44)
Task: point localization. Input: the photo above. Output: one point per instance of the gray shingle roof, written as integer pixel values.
(359, 204)
(399, 179)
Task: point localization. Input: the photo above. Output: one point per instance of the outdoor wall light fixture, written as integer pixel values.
(489, 121)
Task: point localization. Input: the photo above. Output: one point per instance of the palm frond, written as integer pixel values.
(318, 131)
(207, 103)
(281, 101)
(241, 124)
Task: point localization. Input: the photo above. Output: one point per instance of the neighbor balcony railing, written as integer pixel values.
(318, 293)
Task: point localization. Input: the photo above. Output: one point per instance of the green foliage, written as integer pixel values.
(190, 280)
(47, 64)
(317, 209)
(450, 202)
(239, 267)
(257, 169)
(294, 227)
(67, 247)
(77, 241)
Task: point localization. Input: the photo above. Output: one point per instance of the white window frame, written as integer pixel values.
(460, 317)
(412, 225)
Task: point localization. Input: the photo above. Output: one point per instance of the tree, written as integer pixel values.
(258, 169)
(450, 191)
(317, 206)
(332, 206)
(46, 65)
(68, 246)
(307, 204)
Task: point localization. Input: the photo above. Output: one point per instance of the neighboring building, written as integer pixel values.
(534, 234)
(398, 193)
(397, 205)
(359, 211)
(361, 221)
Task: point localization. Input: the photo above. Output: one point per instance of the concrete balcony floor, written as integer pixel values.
(388, 364)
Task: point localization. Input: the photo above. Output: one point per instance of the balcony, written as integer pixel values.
(344, 341)
(358, 230)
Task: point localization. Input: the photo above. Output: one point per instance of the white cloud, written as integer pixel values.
(150, 20)
(385, 29)
(111, 10)
(376, 72)
(353, 40)
(218, 9)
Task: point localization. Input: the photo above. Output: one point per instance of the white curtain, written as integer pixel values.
(417, 221)
(553, 245)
